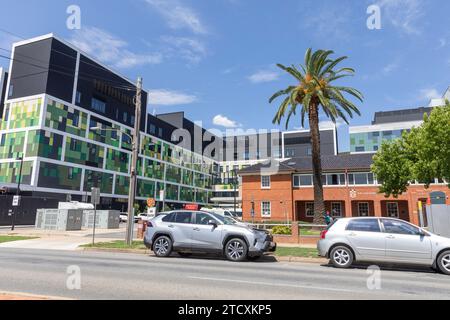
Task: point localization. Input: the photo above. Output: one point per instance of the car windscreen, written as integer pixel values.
(223, 219)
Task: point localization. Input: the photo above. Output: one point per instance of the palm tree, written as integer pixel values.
(314, 90)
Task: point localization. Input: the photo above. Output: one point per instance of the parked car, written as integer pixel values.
(383, 240)
(187, 232)
(123, 217)
(145, 216)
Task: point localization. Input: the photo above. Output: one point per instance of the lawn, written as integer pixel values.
(296, 252)
(119, 244)
(309, 232)
(14, 238)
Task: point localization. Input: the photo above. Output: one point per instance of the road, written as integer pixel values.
(134, 276)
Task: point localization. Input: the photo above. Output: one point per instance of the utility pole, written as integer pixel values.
(134, 160)
(15, 211)
(235, 187)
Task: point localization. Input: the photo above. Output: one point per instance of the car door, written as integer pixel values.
(405, 242)
(366, 238)
(204, 235)
(181, 229)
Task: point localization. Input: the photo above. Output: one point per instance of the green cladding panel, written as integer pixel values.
(45, 144)
(9, 172)
(96, 179)
(65, 119)
(59, 177)
(12, 145)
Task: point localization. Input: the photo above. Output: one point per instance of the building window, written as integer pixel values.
(152, 129)
(309, 209)
(289, 153)
(11, 91)
(364, 178)
(265, 209)
(360, 149)
(309, 152)
(336, 209)
(363, 209)
(125, 117)
(78, 98)
(303, 180)
(334, 179)
(375, 148)
(392, 210)
(160, 132)
(265, 182)
(98, 105)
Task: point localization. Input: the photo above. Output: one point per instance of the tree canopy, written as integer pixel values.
(422, 155)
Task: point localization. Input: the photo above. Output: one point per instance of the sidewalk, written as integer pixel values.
(59, 240)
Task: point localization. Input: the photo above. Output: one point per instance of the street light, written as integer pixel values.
(17, 192)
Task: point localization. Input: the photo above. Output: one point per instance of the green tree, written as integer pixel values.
(422, 154)
(314, 92)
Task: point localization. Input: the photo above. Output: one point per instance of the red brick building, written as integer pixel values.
(350, 190)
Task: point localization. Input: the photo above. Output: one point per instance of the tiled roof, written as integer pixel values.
(343, 161)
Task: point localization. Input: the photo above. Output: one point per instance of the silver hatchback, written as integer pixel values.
(383, 240)
(187, 232)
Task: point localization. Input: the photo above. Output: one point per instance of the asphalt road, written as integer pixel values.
(133, 276)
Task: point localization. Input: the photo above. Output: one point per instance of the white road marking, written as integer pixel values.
(273, 284)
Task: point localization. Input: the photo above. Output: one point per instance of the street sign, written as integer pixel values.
(151, 202)
(95, 196)
(161, 195)
(16, 201)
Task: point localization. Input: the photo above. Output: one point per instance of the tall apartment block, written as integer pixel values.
(70, 118)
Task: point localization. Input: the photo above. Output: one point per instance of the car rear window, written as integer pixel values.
(366, 225)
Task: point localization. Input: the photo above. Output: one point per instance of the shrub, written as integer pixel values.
(283, 230)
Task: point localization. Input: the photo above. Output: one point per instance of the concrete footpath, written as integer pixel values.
(58, 240)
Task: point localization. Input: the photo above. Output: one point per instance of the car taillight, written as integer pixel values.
(323, 234)
(149, 224)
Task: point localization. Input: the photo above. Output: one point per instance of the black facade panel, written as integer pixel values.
(4, 82)
(118, 94)
(61, 75)
(30, 69)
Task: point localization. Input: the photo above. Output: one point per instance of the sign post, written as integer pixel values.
(95, 200)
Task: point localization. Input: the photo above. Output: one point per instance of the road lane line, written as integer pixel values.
(273, 284)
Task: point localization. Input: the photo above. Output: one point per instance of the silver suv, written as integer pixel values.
(383, 240)
(187, 232)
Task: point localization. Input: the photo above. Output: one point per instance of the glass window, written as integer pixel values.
(305, 180)
(392, 210)
(202, 218)
(296, 181)
(183, 217)
(78, 97)
(365, 225)
(360, 149)
(265, 209)
(399, 227)
(152, 129)
(360, 178)
(309, 209)
(98, 105)
(363, 209)
(169, 218)
(265, 182)
(336, 209)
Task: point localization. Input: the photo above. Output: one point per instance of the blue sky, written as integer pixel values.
(215, 60)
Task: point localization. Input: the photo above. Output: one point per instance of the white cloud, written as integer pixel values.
(110, 49)
(223, 121)
(389, 68)
(429, 94)
(264, 76)
(326, 124)
(191, 50)
(403, 14)
(178, 16)
(163, 97)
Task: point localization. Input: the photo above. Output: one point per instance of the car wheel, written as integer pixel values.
(443, 262)
(162, 246)
(184, 254)
(236, 250)
(341, 257)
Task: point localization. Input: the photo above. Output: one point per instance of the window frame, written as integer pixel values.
(263, 186)
(263, 215)
(397, 209)
(359, 209)
(299, 176)
(340, 209)
(307, 214)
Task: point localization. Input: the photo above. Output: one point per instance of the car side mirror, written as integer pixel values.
(212, 223)
(422, 233)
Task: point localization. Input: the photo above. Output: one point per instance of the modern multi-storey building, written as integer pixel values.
(244, 150)
(69, 117)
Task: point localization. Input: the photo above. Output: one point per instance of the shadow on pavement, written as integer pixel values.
(389, 267)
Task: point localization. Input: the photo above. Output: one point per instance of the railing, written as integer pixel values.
(304, 228)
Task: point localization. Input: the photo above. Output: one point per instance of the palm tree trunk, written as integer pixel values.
(319, 204)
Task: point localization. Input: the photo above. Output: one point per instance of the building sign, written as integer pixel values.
(16, 201)
(191, 206)
(151, 202)
(95, 196)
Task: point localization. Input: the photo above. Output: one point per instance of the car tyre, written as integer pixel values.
(162, 246)
(443, 262)
(236, 250)
(341, 257)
